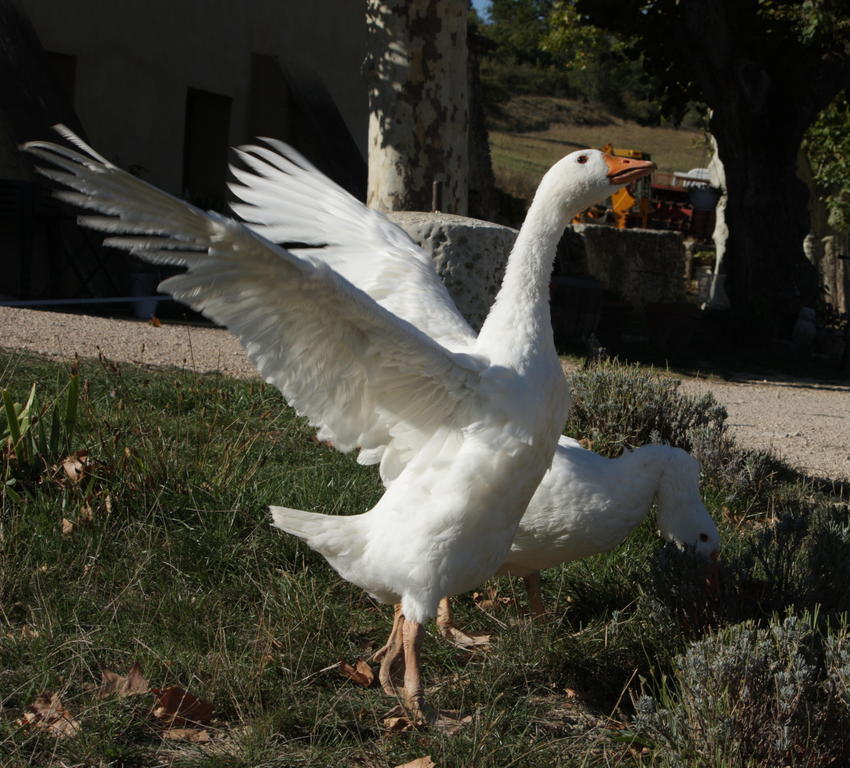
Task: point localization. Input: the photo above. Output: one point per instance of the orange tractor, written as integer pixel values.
(683, 202)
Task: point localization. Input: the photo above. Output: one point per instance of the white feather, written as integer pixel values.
(587, 504)
(360, 335)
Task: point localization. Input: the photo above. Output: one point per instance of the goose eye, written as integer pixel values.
(703, 537)
(581, 159)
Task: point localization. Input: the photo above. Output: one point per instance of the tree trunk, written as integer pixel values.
(418, 102)
(763, 100)
(768, 276)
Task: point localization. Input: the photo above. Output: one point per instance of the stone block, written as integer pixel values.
(639, 266)
(469, 255)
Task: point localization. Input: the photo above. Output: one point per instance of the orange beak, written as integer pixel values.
(625, 170)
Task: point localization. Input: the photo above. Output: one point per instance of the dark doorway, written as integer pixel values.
(206, 141)
(270, 105)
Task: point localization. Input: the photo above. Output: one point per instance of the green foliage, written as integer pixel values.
(605, 67)
(828, 147)
(177, 568)
(33, 438)
(749, 696)
(541, 47)
(618, 407)
(517, 28)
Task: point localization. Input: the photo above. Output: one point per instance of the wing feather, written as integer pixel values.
(367, 377)
(288, 201)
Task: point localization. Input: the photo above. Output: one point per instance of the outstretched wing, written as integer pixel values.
(368, 378)
(288, 200)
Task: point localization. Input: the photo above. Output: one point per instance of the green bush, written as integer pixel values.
(749, 696)
(618, 406)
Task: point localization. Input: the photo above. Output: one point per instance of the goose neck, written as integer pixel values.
(519, 319)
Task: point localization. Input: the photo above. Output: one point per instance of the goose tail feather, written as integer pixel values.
(305, 525)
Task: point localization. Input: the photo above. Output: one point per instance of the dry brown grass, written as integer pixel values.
(520, 158)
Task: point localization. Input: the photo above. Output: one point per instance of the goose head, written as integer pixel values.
(682, 517)
(587, 176)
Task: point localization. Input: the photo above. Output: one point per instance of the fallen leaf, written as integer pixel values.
(22, 633)
(75, 466)
(86, 516)
(571, 693)
(420, 762)
(401, 723)
(489, 599)
(449, 721)
(361, 673)
(48, 714)
(586, 442)
(178, 707)
(67, 527)
(195, 735)
(111, 683)
(155, 321)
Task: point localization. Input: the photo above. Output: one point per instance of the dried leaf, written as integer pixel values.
(155, 321)
(361, 673)
(449, 721)
(195, 735)
(420, 762)
(114, 684)
(400, 723)
(48, 714)
(75, 466)
(178, 707)
(67, 527)
(489, 599)
(22, 633)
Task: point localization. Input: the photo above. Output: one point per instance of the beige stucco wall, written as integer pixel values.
(135, 60)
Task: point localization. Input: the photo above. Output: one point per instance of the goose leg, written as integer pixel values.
(535, 599)
(414, 692)
(447, 628)
(391, 655)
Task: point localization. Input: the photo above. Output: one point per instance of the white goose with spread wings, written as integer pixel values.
(464, 426)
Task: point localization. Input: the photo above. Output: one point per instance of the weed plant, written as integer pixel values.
(157, 549)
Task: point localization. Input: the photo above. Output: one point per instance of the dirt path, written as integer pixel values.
(806, 423)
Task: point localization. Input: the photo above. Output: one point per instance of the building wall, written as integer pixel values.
(134, 61)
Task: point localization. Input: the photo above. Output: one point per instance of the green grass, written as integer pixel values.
(180, 571)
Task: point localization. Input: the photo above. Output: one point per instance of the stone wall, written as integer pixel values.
(638, 267)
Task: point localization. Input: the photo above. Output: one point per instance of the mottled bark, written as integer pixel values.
(418, 102)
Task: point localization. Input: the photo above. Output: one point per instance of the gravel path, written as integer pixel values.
(806, 423)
